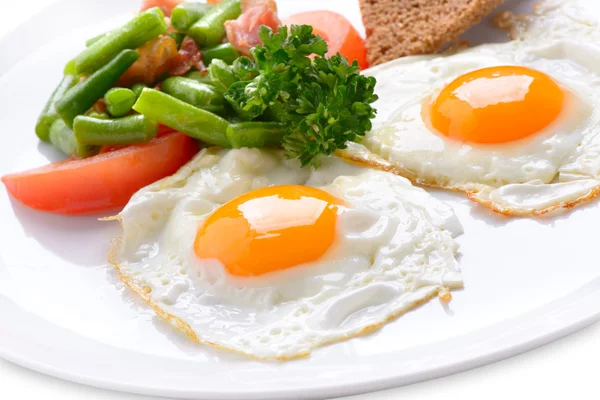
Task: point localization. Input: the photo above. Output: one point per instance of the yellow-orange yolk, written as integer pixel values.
(496, 105)
(270, 229)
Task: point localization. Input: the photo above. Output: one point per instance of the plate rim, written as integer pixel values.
(540, 326)
(508, 338)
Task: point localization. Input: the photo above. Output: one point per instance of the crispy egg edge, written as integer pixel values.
(473, 192)
(442, 292)
(513, 24)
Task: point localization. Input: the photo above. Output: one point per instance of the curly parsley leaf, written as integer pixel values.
(323, 102)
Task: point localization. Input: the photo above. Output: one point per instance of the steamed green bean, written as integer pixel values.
(93, 40)
(183, 117)
(119, 101)
(199, 77)
(63, 138)
(210, 29)
(49, 114)
(142, 28)
(83, 95)
(185, 14)
(225, 51)
(119, 131)
(255, 134)
(195, 93)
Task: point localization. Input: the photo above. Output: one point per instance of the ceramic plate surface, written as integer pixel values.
(65, 313)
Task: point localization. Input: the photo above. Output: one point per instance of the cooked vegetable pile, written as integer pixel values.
(130, 80)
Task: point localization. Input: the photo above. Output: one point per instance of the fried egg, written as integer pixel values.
(246, 251)
(515, 125)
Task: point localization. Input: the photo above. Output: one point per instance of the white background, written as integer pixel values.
(565, 369)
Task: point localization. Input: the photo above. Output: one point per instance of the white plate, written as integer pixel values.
(65, 313)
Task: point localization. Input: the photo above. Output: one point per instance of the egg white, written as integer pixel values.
(557, 167)
(395, 249)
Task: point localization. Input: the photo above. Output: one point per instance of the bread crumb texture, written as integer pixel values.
(398, 28)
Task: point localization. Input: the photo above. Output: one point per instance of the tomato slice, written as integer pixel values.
(102, 182)
(338, 32)
(165, 5)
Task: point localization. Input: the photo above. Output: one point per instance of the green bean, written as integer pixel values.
(137, 89)
(143, 27)
(255, 134)
(69, 68)
(93, 40)
(185, 14)
(63, 138)
(177, 37)
(82, 96)
(199, 77)
(49, 114)
(195, 93)
(224, 51)
(119, 101)
(176, 114)
(210, 29)
(115, 132)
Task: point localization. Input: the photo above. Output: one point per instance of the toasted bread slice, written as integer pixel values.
(397, 28)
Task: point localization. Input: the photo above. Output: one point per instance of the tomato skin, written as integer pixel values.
(337, 31)
(102, 182)
(165, 5)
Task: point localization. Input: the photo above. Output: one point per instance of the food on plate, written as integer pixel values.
(322, 103)
(243, 32)
(185, 14)
(246, 251)
(142, 28)
(49, 115)
(166, 6)
(128, 82)
(119, 101)
(63, 138)
(319, 104)
(81, 97)
(512, 124)
(338, 32)
(210, 29)
(398, 28)
(109, 132)
(225, 52)
(102, 182)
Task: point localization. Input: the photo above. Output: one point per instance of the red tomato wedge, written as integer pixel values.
(102, 182)
(165, 5)
(338, 32)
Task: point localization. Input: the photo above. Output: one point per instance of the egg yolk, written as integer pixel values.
(496, 105)
(269, 229)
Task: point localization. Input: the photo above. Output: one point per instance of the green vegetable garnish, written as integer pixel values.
(119, 101)
(321, 102)
(114, 132)
(183, 117)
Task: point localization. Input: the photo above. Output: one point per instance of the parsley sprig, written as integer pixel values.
(322, 102)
